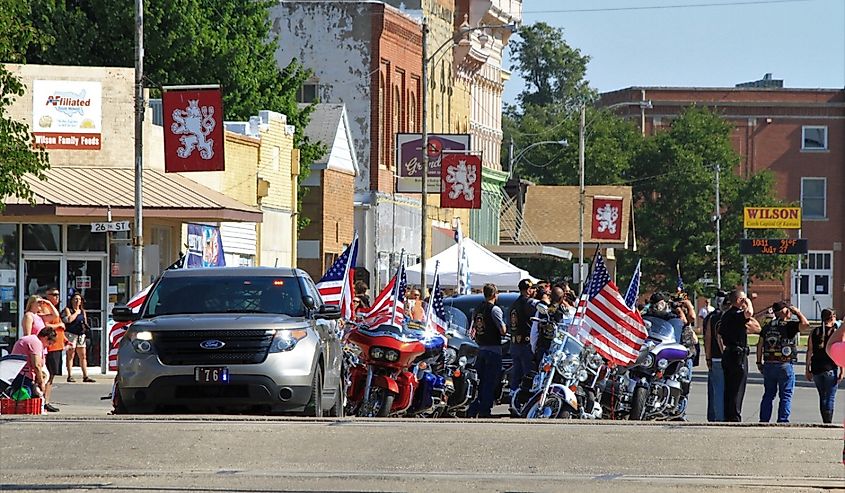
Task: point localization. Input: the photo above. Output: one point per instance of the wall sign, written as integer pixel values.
(409, 159)
(771, 218)
(193, 129)
(759, 246)
(67, 114)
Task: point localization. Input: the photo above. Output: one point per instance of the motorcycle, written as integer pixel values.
(430, 396)
(383, 384)
(656, 386)
(461, 378)
(554, 386)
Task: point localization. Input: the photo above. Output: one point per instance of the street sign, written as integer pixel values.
(759, 246)
(705, 280)
(771, 218)
(114, 226)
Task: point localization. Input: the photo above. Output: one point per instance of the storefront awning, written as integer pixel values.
(91, 190)
(529, 251)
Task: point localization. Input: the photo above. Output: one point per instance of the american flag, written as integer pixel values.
(616, 331)
(436, 319)
(633, 288)
(382, 310)
(336, 286)
(119, 329)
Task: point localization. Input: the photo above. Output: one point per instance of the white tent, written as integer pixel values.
(484, 266)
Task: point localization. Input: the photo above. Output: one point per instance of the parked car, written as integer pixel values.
(256, 339)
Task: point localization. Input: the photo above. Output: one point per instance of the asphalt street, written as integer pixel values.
(256, 454)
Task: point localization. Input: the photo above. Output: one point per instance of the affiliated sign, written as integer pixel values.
(409, 159)
(772, 218)
(113, 226)
(757, 246)
(205, 246)
(83, 282)
(607, 218)
(67, 114)
(460, 181)
(193, 129)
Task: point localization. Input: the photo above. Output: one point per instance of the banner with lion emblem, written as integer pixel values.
(193, 129)
(607, 218)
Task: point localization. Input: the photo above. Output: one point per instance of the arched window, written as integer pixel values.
(412, 112)
(383, 131)
(396, 114)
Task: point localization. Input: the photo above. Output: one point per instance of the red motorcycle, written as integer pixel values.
(382, 384)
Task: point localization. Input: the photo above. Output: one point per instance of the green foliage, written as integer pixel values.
(17, 157)
(224, 42)
(674, 193)
(553, 71)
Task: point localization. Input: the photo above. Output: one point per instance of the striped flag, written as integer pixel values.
(119, 329)
(615, 330)
(382, 310)
(464, 277)
(436, 319)
(633, 288)
(335, 286)
(580, 309)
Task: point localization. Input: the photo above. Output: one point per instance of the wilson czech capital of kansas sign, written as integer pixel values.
(67, 114)
(772, 218)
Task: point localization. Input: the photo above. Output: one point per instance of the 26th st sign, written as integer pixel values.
(772, 218)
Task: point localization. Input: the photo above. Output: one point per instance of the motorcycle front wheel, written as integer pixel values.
(378, 405)
(553, 408)
(638, 404)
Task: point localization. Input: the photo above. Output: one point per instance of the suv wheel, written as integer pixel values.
(339, 407)
(315, 405)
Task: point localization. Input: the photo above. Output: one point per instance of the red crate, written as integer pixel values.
(28, 406)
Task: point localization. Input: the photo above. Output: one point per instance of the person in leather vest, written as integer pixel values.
(543, 333)
(777, 350)
(520, 329)
(488, 327)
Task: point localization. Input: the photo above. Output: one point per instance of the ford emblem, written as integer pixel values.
(212, 344)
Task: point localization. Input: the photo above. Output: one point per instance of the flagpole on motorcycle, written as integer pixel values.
(431, 294)
(397, 285)
(352, 247)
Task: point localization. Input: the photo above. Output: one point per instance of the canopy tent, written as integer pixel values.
(484, 266)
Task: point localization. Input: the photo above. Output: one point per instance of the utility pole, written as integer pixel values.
(138, 238)
(424, 201)
(581, 198)
(718, 218)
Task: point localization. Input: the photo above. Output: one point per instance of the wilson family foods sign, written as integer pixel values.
(67, 114)
(772, 217)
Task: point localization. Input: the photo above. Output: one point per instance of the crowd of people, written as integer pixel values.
(48, 334)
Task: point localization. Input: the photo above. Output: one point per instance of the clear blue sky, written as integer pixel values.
(801, 42)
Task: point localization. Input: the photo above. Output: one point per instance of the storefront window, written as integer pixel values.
(43, 237)
(8, 284)
(81, 239)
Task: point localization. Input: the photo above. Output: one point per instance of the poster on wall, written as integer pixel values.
(461, 181)
(193, 128)
(409, 159)
(205, 246)
(607, 218)
(67, 114)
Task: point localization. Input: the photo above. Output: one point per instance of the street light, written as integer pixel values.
(512, 161)
(426, 59)
(582, 193)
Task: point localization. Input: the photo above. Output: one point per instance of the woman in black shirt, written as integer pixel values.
(820, 368)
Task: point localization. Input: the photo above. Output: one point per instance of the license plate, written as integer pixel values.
(211, 374)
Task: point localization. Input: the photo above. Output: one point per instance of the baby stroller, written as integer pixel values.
(10, 367)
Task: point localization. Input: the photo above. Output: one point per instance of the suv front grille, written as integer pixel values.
(240, 347)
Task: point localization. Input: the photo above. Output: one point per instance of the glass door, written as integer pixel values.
(39, 273)
(85, 276)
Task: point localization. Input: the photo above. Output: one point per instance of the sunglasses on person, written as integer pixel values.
(56, 294)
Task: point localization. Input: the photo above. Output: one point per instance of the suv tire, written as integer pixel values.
(338, 410)
(314, 408)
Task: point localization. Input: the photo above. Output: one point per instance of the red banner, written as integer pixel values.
(460, 177)
(607, 218)
(193, 130)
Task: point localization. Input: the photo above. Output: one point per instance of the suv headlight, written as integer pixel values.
(285, 340)
(142, 341)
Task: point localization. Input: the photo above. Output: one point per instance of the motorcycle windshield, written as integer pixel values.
(571, 345)
(664, 331)
(456, 319)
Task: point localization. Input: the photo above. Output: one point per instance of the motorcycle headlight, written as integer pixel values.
(582, 375)
(649, 360)
(684, 372)
(450, 356)
(285, 340)
(596, 360)
(377, 353)
(462, 362)
(391, 355)
(662, 363)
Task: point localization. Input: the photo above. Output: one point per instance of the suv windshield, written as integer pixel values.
(226, 294)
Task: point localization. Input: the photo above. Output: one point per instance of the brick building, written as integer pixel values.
(799, 135)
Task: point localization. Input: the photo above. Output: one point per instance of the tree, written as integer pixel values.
(224, 42)
(553, 71)
(17, 156)
(674, 193)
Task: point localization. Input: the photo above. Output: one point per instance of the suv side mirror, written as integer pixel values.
(124, 314)
(329, 312)
(308, 302)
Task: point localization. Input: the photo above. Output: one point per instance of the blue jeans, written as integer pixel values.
(826, 385)
(778, 379)
(489, 368)
(523, 364)
(716, 392)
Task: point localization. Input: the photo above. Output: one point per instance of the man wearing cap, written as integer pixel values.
(777, 350)
(520, 329)
(713, 355)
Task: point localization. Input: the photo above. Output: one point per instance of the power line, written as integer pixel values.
(663, 7)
